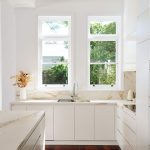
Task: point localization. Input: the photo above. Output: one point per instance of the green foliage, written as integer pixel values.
(100, 74)
(99, 28)
(56, 75)
(102, 51)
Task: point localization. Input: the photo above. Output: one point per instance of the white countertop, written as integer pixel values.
(16, 127)
(119, 102)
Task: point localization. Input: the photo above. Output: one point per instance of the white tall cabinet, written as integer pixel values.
(143, 74)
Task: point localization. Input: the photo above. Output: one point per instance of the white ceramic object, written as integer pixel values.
(130, 95)
(23, 93)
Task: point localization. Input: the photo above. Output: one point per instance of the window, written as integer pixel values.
(104, 52)
(54, 48)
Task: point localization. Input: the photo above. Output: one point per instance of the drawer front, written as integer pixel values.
(48, 118)
(122, 142)
(126, 118)
(127, 133)
(16, 107)
(35, 137)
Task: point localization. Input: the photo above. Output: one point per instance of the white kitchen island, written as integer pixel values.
(20, 130)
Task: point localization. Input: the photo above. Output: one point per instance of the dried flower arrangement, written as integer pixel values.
(22, 79)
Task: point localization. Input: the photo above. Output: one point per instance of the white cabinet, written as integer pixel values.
(143, 5)
(75, 121)
(104, 121)
(18, 107)
(143, 30)
(129, 42)
(36, 139)
(124, 145)
(130, 19)
(84, 122)
(142, 96)
(48, 118)
(126, 128)
(64, 122)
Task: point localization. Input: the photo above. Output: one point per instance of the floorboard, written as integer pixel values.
(81, 147)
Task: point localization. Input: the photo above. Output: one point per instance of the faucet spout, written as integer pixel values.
(74, 90)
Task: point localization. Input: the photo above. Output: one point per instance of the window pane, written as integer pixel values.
(55, 28)
(55, 51)
(103, 74)
(105, 27)
(103, 51)
(55, 74)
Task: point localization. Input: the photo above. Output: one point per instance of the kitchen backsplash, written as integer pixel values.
(129, 83)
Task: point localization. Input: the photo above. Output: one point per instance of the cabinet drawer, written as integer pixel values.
(48, 118)
(127, 133)
(122, 142)
(128, 119)
(35, 137)
(18, 107)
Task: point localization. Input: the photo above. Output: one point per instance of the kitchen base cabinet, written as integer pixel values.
(104, 121)
(64, 122)
(48, 118)
(122, 142)
(126, 128)
(76, 123)
(35, 141)
(18, 107)
(84, 122)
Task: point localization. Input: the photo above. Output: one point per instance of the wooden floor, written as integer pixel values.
(81, 147)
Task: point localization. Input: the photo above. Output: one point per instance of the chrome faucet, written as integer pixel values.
(75, 90)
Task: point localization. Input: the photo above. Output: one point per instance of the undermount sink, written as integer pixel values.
(66, 100)
(72, 100)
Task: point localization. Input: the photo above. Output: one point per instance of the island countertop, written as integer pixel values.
(16, 127)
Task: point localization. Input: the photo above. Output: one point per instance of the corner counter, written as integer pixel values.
(22, 130)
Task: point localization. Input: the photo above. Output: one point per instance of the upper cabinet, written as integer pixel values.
(23, 3)
(130, 19)
(129, 36)
(142, 6)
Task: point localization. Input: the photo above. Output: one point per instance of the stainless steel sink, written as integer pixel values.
(66, 100)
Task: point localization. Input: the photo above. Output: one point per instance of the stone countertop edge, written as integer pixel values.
(32, 101)
(17, 140)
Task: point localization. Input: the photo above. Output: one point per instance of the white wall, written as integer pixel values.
(8, 53)
(26, 33)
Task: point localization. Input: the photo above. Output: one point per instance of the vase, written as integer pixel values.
(23, 93)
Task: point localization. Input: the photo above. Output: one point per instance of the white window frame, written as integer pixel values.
(106, 37)
(56, 38)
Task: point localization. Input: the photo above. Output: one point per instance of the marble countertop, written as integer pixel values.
(16, 127)
(32, 101)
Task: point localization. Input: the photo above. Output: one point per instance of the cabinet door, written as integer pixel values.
(142, 5)
(48, 118)
(84, 122)
(104, 122)
(122, 142)
(143, 30)
(18, 107)
(64, 121)
(142, 85)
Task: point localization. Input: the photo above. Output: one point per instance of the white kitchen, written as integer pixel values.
(74, 75)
